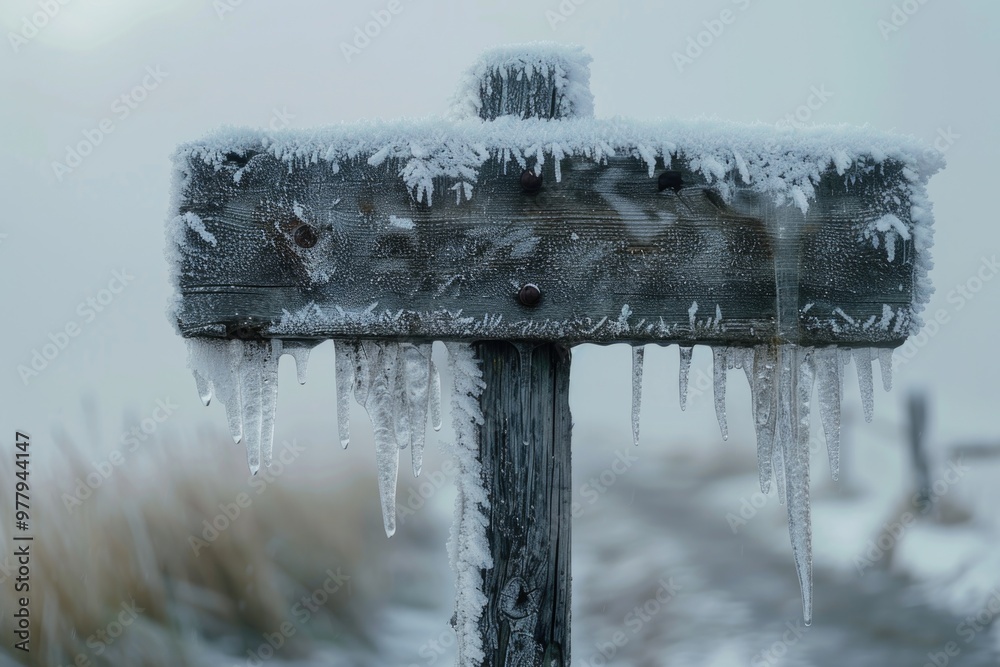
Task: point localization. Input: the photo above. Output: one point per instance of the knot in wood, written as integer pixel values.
(516, 601)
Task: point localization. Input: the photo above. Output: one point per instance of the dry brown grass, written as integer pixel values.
(129, 544)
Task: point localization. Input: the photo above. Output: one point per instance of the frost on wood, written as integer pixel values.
(468, 546)
(541, 80)
(248, 191)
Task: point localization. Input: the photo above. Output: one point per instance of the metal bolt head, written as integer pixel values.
(305, 236)
(531, 182)
(670, 179)
(529, 295)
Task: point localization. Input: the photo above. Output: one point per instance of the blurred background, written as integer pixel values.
(128, 467)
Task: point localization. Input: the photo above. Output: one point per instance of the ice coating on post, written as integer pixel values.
(468, 546)
(638, 353)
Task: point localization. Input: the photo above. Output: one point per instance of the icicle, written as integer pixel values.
(401, 410)
(863, 363)
(685, 370)
(299, 351)
(375, 374)
(345, 364)
(232, 398)
(722, 360)
(885, 367)
(258, 387)
(435, 398)
(760, 372)
(638, 354)
(778, 462)
(204, 388)
(269, 398)
(416, 364)
(216, 365)
(797, 380)
(829, 379)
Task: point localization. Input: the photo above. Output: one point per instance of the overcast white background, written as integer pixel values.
(63, 238)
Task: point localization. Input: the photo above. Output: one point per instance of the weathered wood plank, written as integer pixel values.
(617, 257)
(526, 448)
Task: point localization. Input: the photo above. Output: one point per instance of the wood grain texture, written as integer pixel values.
(526, 448)
(616, 258)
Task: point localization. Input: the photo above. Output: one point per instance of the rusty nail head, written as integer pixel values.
(670, 179)
(305, 236)
(531, 182)
(529, 295)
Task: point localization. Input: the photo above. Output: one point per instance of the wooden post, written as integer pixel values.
(526, 442)
(526, 458)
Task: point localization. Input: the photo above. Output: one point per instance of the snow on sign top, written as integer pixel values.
(566, 67)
